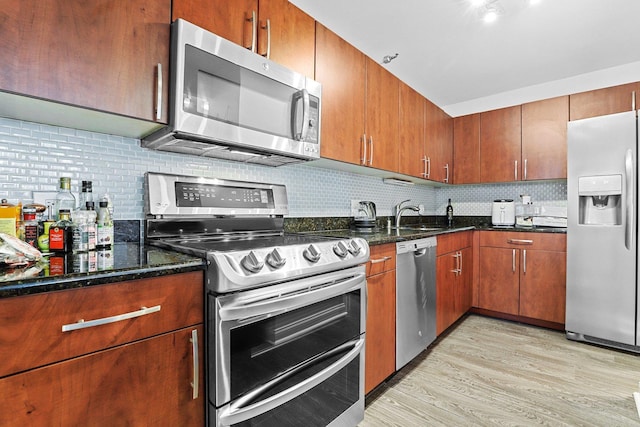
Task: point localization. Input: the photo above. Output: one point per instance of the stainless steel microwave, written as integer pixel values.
(228, 102)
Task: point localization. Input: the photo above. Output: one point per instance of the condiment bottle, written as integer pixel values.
(105, 226)
(449, 214)
(7, 218)
(61, 233)
(64, 198)
(30, 224)
(86, 195)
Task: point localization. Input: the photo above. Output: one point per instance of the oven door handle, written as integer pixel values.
(267, 304)
(243, 409)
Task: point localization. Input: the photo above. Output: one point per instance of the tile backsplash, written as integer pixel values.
(33, 156)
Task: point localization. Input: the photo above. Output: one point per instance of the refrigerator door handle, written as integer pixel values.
(628, 165)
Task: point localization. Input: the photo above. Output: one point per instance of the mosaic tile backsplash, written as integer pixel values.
(33, 156)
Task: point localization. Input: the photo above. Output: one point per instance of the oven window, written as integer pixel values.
(263, 350)
(319, 406)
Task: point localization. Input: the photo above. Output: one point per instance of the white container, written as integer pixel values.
(503, 212)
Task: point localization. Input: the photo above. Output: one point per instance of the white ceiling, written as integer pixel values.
(447, 53)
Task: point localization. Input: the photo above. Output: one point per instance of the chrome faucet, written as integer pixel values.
(398, 209)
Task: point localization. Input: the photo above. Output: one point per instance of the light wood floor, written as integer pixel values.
(487, 372)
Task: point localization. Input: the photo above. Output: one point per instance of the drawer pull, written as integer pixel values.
(196, 365)
(379, 260)
(81, 324)
(520, 241)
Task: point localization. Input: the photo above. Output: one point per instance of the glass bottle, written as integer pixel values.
(61, 233)
(92, 226)
(7, 218)
(64, 198)
(105, 226)
(80, 232)
(449, 214)
(86, 194)
(30, 225)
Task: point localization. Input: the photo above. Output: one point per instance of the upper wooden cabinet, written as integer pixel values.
(438, 143)
(411, 156)
(466, 149)
(340, 68)
(97, 54)
(381, 118)
(544, 139)
(605, 101)
(280, 30)
(500, 145)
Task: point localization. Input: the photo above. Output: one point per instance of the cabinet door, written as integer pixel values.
(381, 119)
(543, 285)
(144, 383)
(411, 133)
(380, 347)
(601, 102)
(464, 283)
(499, 280)
(544, 139)
(292, 35)
(439, 143)
(229, 19)
(98, 54)
(500, 135)
(466, 149)
(341, 70)
(445, 291)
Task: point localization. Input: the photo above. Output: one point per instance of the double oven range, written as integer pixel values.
(285, 312)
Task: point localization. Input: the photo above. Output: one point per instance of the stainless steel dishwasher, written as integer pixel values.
(415, 298)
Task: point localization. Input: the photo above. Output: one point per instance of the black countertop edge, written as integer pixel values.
(152, 262)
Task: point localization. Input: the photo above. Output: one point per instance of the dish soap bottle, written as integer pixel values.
(449, 214)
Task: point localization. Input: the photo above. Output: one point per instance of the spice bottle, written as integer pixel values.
(30, 225)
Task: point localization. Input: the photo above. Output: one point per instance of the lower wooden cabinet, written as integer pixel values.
(140, 363)
(380, 347)
(146, 383)
(523, 274)
(454, 278)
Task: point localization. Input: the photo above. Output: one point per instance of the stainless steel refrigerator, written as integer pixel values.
(602, 256)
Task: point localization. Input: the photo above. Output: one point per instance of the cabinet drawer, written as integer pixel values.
(382, 258)
(32, 326)
(524, 240)
(454, 241)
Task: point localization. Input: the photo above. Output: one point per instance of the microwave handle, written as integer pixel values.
(304, 95)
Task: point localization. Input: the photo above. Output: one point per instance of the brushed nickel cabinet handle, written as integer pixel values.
(460, 262)
(159, 92)
(364, 149)
(524, 261)
(254, 31)
(195, 384)
(424, 167)
(520, 241)
(82, 324)
(524, 174)
(633, 100)
(371, 151)
(515, 170)
(268, 28)
(379, 260)
(513, 261)
(446, 167)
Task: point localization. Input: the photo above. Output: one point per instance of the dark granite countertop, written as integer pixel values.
(126, 261)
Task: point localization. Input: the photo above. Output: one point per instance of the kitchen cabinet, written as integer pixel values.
(438, 143)
(523, 274)
(544, 139)
(273, 28)
(600, 102)
(380, 148)
(466, 149)
(340, 68)
(454, 278)
(146, 369)
(411, 155)
(103, 55)
(500, 145)
(380, 346)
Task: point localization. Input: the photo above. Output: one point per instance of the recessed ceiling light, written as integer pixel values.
(490, 16)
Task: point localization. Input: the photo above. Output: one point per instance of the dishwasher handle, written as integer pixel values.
(416, 245)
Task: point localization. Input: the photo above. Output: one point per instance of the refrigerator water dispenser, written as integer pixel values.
(600, 200)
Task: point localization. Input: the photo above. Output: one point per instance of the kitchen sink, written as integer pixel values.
(420, 228)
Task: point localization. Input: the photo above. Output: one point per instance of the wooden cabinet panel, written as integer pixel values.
(445, 291)
(381, 258)
(380, 347)
(439, 142)
(601, 102)
(144, 383)
(544, 139)
(179, 296)
(464, 292)
(411, 133)
(543, 285)
(499, 288)
(97, 54)
(381, 119)
(340, 68)
(291, 30)
(466, 149)
(524, 240)
(454, 241)
(500, 145)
